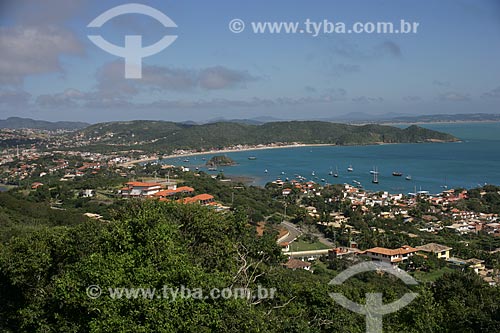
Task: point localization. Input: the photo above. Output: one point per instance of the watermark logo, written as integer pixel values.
(132, 51)
(236, 26)
(182, 292)
(374, 309)
(324, 27)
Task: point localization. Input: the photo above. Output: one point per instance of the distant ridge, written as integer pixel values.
(436, 118)
(163, 135)
(367, 118)
(17, 123)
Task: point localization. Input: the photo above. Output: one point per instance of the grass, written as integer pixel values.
(300, 245)
(432, 275)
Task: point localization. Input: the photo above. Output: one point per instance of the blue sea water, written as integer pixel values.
(433, 167)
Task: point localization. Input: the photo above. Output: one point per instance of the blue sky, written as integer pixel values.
(50, 70)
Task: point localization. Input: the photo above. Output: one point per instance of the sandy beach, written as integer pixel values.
(223, 151)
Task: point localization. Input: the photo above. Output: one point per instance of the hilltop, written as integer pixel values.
(17, 123)
(163, 135)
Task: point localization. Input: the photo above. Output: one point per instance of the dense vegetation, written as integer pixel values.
(44, 275)
(220, 160)
(166, 136)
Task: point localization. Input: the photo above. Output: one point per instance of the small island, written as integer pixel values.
(220, 160)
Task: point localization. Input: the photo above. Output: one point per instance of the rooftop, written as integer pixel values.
(433, 247)
(392, 252)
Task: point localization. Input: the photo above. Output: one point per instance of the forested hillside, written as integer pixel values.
(159, 135)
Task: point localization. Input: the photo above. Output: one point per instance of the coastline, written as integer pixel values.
(224, 151)
(264, 147)
(438, 122)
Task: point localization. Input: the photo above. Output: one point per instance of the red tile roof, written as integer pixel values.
(142, 184)
(392, 252)
(197, 198)
(182, 189)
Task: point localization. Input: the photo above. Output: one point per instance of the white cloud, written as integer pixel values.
(14, 97)
(454, 97)
(495, 93)
(29, 50)
(367, 100)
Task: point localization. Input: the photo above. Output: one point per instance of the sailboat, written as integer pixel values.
(445, 186)
(408, 177)
(350, 169)
(375, 176)
(336, 174)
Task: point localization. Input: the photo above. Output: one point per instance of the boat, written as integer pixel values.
(408, 177)
(397, 174)
(323, 180)
(282, 172)
(252, 158)
(330, 173)
(350, 169)
(313, 174)
(445, 186)
(186, 160)
(336, 174)
(375, 176)
(265, 171)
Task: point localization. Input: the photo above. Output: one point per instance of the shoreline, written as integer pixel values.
(437, 122)
(272, 146)
(224, 151)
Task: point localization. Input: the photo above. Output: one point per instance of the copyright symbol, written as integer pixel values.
(94, 291)
(236, 26)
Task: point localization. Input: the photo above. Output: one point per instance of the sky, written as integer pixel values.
(51, 70)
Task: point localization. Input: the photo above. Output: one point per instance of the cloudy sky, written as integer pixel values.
(50, 70)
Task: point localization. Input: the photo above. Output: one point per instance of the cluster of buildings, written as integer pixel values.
(168, 191)
(394, 257)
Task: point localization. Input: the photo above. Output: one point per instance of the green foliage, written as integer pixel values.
(220, 160)
(168, 136)
(44, 274)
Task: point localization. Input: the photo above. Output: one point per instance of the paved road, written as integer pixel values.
(296, 232)
(292, 229)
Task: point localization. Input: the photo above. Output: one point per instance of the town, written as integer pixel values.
(315, 224)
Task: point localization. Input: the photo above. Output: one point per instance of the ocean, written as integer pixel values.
(433, 167)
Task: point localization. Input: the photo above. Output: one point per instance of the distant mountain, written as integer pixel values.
(17, 122)
(164, 136)
(436, 118)
(247, 121)
(237, 121)
(391, 118)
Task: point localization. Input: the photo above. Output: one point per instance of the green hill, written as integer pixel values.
(162, 135)
(17, 122)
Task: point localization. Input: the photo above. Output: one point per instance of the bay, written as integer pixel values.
(433, 167)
